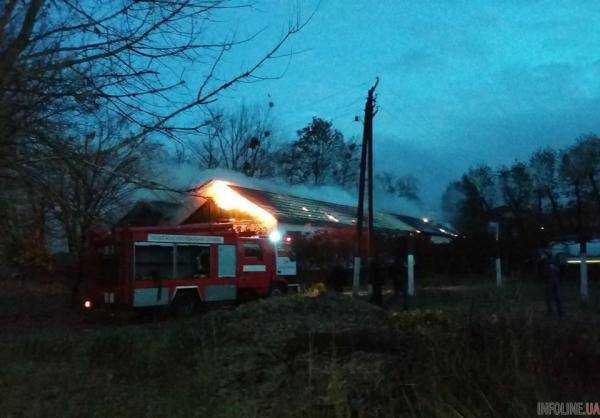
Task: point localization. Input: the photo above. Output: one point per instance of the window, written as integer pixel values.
(252, 250)
(285, 251)
(153, 262)
(227, 260)
(193, 262)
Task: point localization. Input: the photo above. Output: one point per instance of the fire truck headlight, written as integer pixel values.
(87, 304)
(275, 236)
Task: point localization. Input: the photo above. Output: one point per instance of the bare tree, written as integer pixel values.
(468, 202)
(243, 140)
(543, 166)
(89, 175)
(63, 56)
(203, 149)
(517, 191)
(483, 179)
(516, 187)
(24, 226)
(586, 155)
(64, 62)
(577, 188)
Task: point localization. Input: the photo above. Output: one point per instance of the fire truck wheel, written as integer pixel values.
(184, 304)
(277, 290)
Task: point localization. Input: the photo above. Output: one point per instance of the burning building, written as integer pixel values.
(269, 211)
(324, 232)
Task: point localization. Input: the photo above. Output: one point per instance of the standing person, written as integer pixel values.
(550, 272)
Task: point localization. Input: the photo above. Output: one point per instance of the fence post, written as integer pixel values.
(583, 271)
(410, 267)
(356, 277)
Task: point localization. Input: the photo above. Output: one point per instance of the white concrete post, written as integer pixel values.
(356, 277)
(498, 272)
(410, 264)
(583, 271)
(498, 259)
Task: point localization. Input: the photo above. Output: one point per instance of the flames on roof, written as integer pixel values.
(228, 199)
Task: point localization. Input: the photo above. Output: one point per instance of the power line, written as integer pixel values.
(298, 122)
(322, 99)
(329, 96)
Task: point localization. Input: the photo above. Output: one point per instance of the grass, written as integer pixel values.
(475, 351)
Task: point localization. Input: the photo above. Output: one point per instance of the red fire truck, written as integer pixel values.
(181, 266)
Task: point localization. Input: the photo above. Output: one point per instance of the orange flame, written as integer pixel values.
(228, 199)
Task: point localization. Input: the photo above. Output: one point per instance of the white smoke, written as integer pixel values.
(184, 176)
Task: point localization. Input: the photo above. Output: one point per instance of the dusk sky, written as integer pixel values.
(462, 82)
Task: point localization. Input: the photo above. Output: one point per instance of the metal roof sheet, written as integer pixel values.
(292, 209)
(429, 227)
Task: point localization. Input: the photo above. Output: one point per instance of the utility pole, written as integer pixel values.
(359, 218)
(366, 170)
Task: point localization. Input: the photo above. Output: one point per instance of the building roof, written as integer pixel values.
(291, 210)
(427, 226)
(295, 210)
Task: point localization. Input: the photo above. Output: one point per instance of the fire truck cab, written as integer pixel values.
(179, 266)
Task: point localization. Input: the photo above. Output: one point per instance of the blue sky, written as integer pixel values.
(462, 82)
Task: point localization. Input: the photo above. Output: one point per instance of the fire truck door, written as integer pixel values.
(224, 288)
(153, 269)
